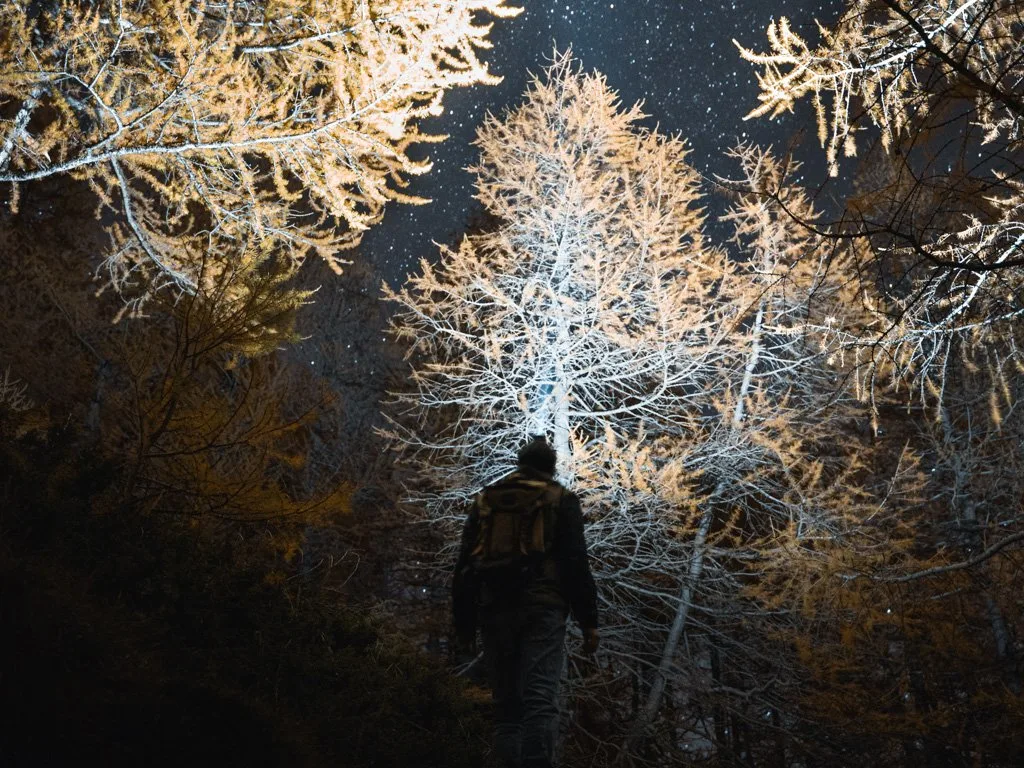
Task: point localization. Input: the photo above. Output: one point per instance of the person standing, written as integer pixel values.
(522, 570)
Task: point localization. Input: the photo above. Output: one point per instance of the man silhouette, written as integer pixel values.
(522, 569)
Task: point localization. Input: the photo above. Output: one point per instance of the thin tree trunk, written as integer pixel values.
(561, 429)
(748, 370)
(560, 400)
(696, 565)
(685, 603)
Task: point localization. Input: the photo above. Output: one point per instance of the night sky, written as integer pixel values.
(676, 56)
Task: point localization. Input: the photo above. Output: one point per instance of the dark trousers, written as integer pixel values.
(525, 651)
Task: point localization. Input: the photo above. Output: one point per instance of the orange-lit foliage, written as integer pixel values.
(934, 91)
(253, 126)
(917, 624)
(193, 405)
(206, 431)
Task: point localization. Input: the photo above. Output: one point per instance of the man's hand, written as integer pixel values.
(591, 639)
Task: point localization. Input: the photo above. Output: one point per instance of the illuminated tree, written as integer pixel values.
(935, 227)
(579, 306)
(782, 474)
(243, 129)
(930, 95)
(685, 402)
(933, 231)
(587, 313)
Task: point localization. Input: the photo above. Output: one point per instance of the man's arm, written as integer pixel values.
(574, 565)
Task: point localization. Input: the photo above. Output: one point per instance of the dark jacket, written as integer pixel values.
(572, 585)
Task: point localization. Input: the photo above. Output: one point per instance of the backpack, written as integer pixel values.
(515, 533)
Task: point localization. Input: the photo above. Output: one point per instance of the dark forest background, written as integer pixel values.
(207, 554)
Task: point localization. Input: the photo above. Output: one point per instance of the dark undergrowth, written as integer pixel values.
(130, 641)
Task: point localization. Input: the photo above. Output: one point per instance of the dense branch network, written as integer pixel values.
(683, 395)
(935, 229)
(279, 127)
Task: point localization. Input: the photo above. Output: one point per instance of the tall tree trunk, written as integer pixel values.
(560, 401)
(685, 603)
(695, 566)
(561, 431)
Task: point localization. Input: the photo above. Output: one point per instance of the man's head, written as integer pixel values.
(538, 455)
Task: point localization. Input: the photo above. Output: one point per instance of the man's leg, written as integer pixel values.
(502, 653)
(543, 655)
